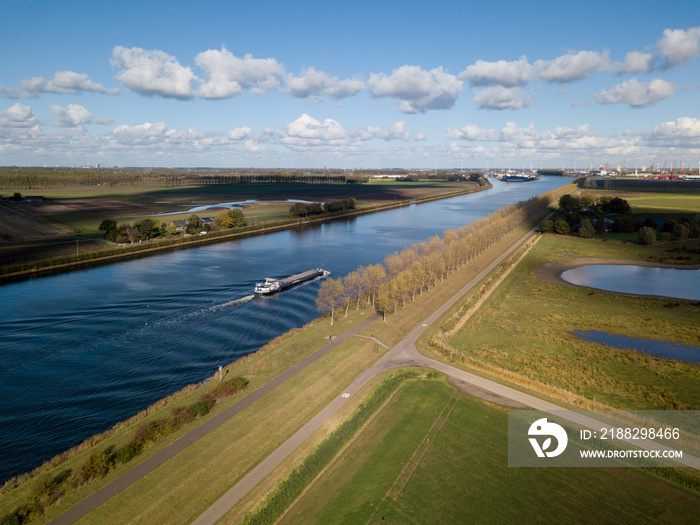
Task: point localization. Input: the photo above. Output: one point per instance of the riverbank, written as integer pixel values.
(70, 263)
(241, 440)
(199, 475)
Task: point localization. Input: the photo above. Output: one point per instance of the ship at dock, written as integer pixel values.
(271, 285)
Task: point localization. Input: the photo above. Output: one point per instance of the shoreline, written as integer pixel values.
(133, 251)
(552, 272)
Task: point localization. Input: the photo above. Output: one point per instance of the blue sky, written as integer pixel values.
(361, 84)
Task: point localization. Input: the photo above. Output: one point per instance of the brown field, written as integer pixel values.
(17, 224)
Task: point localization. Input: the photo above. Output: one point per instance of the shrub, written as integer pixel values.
(586, 229)
(20, 515)
(230, 387)
(617, 205)
(646, 235)
(681, 231)
(694, 229)
(669, 225)
(200, 408)
(182, 416)
(599, 226)
(562, 227)
(649, 223)
(98, 465)
(547, 226)
(47, 489)
(626, 224)
(129, 451)
(149, 433)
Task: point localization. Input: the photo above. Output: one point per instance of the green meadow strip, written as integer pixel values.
(290, 489)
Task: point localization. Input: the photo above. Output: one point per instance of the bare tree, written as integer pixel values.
(330, 296)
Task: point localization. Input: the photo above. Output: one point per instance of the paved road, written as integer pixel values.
(100, 496)
(403, 354)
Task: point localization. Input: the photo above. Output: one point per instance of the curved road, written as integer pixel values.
(403, 354)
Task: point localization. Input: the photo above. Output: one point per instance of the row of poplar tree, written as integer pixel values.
(389, 285)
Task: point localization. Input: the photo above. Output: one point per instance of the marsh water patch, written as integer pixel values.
(665, 349)
(638, 280)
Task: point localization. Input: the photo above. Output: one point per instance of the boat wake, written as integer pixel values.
(234, 302)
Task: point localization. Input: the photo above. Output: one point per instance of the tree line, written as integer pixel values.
(389, 285)
(301, 209)
(585, 215)
(147, 228)
(52, 178)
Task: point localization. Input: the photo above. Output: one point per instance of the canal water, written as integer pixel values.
(82, 351)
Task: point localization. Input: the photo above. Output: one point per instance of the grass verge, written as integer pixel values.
(433, 454)
(291, 487)
(526, 328)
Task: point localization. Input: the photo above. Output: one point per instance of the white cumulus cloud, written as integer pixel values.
(679, 46)
(499, 97)
(471, 132)
(18, 116)
(307, 133)
(635, 62)
(312, 82)
(500, 73)
(682, 132)
(637, 94)
(63, 83)
(572, 67)
(152, 73)
(226, 75)
(75, 115)
(242, 133)
(415, 89)
(396, 131)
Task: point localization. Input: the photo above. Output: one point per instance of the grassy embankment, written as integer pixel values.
(433, 454)
(132, 204)
(390, 332)
(254, 433)
(390, 472)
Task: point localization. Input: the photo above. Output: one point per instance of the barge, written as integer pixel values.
(271, 285)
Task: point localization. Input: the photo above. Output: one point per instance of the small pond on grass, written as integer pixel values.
(639, 280)
(666, 349)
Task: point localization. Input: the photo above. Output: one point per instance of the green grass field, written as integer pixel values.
(434, 455)
(526, 327)
(657, 202)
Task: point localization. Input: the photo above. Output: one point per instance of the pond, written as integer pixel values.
(638, 280)
(666, 349)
